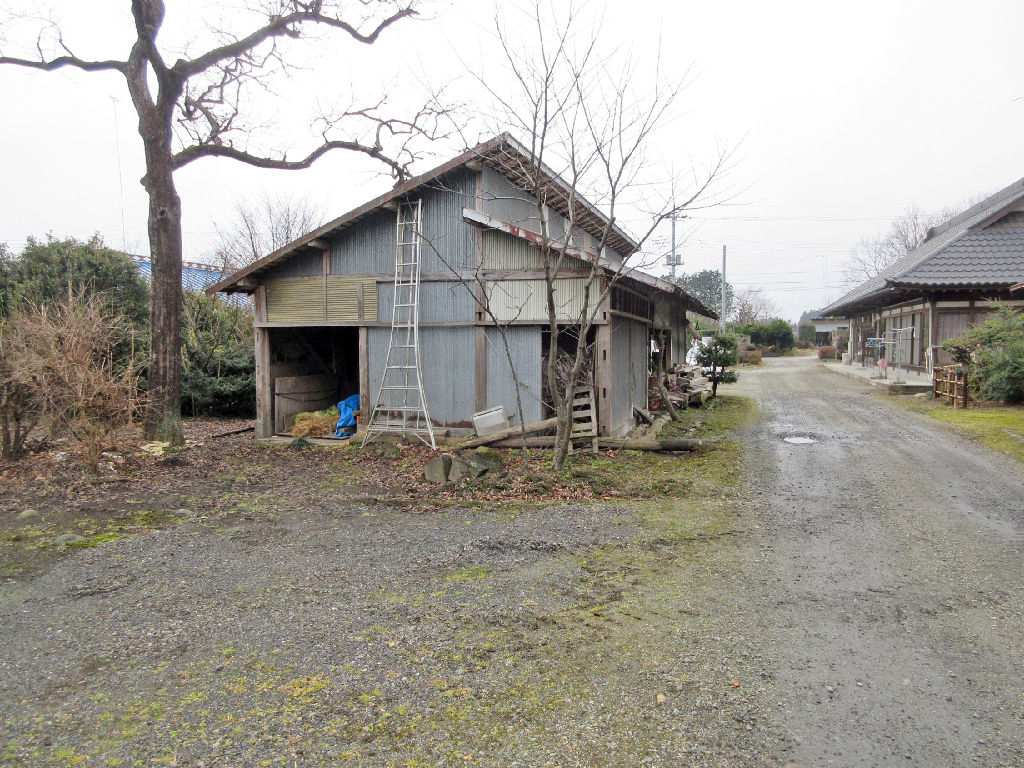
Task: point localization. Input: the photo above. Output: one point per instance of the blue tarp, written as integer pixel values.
(347, 422)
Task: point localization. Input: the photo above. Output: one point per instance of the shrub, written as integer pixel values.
(776, 334)
(997, 348)
(826, 353)
(750, 357)
(218, 358)
(63, 357)
(44, 272)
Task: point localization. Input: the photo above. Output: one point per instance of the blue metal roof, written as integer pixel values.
(194, 277)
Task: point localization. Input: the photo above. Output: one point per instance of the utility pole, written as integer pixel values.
(673, 260)
(723, 289)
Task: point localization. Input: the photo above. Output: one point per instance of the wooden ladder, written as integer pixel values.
(584, 416)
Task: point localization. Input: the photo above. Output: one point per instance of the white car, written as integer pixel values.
(691, 355)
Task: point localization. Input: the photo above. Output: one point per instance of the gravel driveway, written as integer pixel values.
(851, 601)
(892, 571)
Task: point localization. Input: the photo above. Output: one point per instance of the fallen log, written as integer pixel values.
(616, 443)
(511, 432)
(651, 444)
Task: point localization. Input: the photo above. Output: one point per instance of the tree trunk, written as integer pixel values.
(563, 435)
(163, 417)
(661, 372)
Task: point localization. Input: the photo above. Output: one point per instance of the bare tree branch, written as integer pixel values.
(287, 24)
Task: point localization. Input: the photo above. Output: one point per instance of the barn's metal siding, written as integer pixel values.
(526, 300)
(504, 200)
(641, 347)
(446, 360)
(524, 343)
(440, 302)
(628, 373)
(309, 263)
(448, 241)
(502, 251)
(367, 248)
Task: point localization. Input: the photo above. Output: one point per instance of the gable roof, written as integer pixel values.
(502, 153)
(981, 247)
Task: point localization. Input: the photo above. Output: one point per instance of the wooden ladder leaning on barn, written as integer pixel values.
(584, 416)
(400, 407)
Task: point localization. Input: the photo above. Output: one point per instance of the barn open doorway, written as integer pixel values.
(311, 368)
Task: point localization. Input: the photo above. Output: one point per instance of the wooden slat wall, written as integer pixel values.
(302, 300)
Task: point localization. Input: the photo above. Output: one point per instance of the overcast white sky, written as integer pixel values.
(843, 116)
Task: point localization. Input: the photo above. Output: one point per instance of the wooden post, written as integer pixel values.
(603, 378)
(364, 375)
(264, 383)
(931, 331)
(480, 367)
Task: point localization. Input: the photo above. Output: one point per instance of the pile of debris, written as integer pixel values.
(686, 385)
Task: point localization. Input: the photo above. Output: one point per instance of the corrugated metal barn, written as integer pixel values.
(323, 304)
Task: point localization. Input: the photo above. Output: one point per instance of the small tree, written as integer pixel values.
(587, 125)
(806, 333)
(715, 357)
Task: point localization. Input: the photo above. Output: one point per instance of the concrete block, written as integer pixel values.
(464, 467)
(438, 469)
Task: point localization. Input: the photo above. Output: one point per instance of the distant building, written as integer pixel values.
(194, 276)
(825, 329)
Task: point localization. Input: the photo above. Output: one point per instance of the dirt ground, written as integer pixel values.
(850, 598)
(238, 605)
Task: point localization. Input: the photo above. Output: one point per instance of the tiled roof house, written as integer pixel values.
(950, 282)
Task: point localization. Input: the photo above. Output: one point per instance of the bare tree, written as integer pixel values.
(752, 305)
(588, 126)
(258, 226)
(196, 108)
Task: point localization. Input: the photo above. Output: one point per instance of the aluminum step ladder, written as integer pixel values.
(400, 407)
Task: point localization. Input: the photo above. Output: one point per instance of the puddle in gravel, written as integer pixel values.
(799, 440)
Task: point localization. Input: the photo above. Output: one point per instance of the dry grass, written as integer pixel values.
(316, 423)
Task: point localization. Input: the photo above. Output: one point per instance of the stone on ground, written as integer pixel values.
(467, 467)
(437, 469)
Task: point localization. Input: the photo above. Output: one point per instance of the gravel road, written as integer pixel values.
(891, 567)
